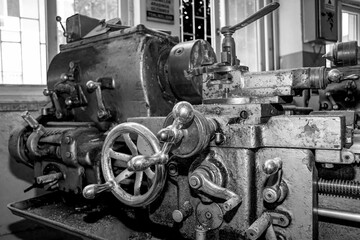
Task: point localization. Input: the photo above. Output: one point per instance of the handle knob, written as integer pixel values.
(259, 226)
(272, 166)
(90, 191)
(183, 112)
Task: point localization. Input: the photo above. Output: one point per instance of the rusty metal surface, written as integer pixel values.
(243, 164)
(305, 132)
(298, 170)
(137, 92)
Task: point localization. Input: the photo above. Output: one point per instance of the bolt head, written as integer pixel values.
(177, 216)
(270, 195)
(68, 101)
(195, 182)
(68, 139)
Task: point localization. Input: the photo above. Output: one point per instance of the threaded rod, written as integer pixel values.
(339, 187)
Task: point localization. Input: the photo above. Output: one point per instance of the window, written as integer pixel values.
(254, 43)
(350, 18)
(195, 20)
(100, 9)
(22, 42)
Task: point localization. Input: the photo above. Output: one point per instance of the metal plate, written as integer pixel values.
(209, 215)
(96, 219)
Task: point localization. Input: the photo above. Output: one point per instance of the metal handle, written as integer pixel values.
(90, 191)
(183, 113)
(200, 181)
(259, 14)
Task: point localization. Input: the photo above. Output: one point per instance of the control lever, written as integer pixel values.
(90, 191)
(200, 180)
(55, 100)
(276, 189)
(183, 113)
(97, 86)
(228, 54)
(33, 139)
(58, 19)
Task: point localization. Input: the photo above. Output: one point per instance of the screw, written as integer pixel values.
(208, 215)
(179, 51)
(195, 182)
(244, 114)
(68, 154)
(173, 169)
(68, 139)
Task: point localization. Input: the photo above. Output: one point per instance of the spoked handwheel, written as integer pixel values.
(134, 189)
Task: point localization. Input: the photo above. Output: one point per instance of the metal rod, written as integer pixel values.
(259, 14)
(338, 214)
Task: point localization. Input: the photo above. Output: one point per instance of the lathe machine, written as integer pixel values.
(145, 131)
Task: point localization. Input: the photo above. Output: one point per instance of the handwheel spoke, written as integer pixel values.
(119, 156)
(150, 174)
(123, 175)
(131, 145)
(138, 181)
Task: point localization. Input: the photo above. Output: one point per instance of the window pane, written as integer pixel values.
(187, 16)
(0, 66)
(246, 38)
(199, 8)
(42, 21)
(11, 24)
(199, 29)
(99, 9)
(13, 8)
(12, 66)
(349, 27)
(31, 51)
(29, 9)
(43, 63)
(10, 36)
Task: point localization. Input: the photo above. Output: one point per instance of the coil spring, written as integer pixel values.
(339, 187)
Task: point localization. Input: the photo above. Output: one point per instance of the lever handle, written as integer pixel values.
(183, 113)
(200, 181)
(259, 14)
(259, 226)
(90, 191)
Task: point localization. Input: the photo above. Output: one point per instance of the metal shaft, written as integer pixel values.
(259, 14)
(338, 214)
(339, 187)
